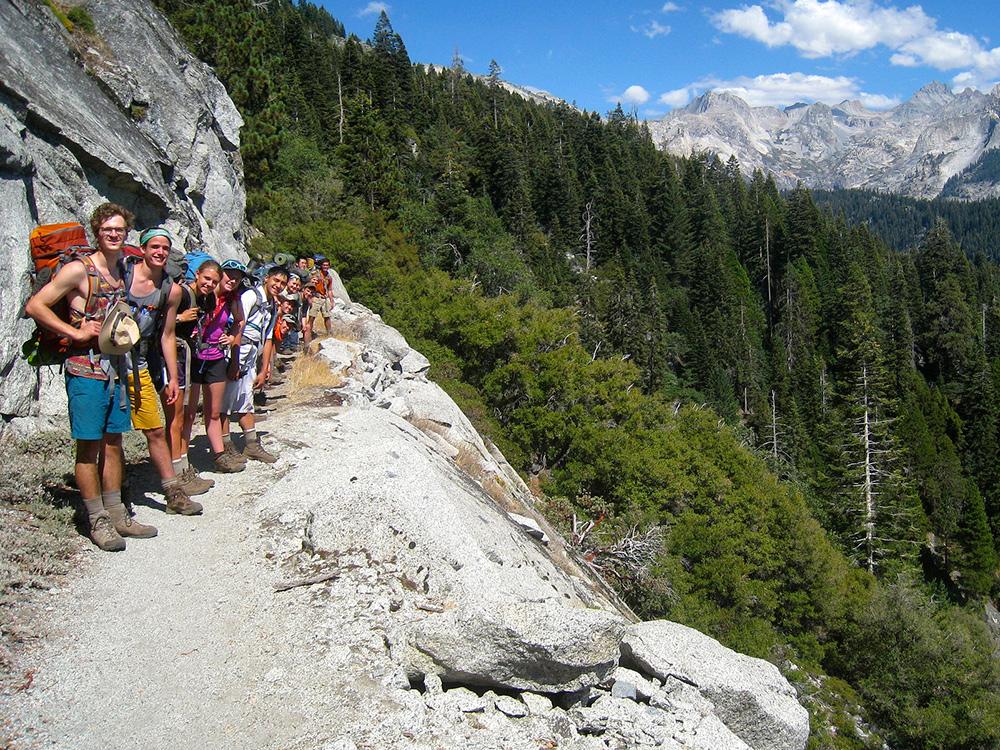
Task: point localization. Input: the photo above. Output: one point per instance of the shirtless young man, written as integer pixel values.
(154, 299)
(98, 404)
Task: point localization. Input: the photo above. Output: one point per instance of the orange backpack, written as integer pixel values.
(52, 246)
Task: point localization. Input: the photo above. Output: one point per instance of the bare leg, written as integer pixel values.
(174, 415)
(307, 331)
(159, 452)
(113, 463)
(215, 425)
(190, 413)
(88, 478)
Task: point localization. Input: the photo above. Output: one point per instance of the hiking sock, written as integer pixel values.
(184, 462)
(172, 482)
(94, 506)
(178, 466)
(112, 498)
(227, 440)
(250, 436)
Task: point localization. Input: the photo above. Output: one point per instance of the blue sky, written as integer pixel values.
(654, 56)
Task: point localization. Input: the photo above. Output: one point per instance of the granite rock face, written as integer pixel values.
(126, 115)
(749, 695)
(487, 633)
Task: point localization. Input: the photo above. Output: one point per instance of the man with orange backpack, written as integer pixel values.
(98, 405)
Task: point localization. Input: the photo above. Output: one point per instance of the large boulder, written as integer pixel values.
(750, 695)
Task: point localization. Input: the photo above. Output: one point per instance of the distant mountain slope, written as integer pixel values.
(913, 149)
(902, 222)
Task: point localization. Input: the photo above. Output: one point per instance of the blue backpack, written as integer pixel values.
(193, 261)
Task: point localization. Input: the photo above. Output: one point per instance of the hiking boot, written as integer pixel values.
(103, 533)
(179, 502)
(228, 463)
(237, 456)
(126, 526)
(256, 451)
(192, 484)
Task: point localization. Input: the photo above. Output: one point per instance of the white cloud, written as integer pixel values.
(781, 89)
(819, 28)
(670, 8)
(677, 97)
(634, 95)
(374, 8)
(822, 28)
(652, 29)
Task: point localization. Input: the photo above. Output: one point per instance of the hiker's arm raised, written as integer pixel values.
(71, 277)
(168, 343)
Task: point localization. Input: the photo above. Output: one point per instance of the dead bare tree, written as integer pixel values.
(587, 233)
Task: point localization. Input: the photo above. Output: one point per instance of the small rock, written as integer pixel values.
(511, 706)
(537, 704)
(629, 684)
(530, 525)
(432, 684)
(396, 679)
(275, 675)
(465, 700)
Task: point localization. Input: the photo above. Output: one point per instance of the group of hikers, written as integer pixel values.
(136, 341)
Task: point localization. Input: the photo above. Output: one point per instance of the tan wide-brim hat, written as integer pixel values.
(120, 332)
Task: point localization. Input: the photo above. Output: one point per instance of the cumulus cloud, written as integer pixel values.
(634, 95)
(677, 97)
(821, 28)
(670, 8)
(782, 89)
(374, 8)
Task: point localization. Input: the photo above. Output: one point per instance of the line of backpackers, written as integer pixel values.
(134, 333)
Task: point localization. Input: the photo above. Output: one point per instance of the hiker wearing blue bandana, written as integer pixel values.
(154, 300)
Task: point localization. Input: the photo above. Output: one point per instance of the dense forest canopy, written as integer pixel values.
(903, 222)
(764, 422)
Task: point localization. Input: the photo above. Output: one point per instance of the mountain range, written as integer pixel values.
(938, 142)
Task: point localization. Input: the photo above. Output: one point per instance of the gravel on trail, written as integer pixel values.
(179, 641)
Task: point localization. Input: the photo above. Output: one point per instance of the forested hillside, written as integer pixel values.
(904, 222)
(766, 424)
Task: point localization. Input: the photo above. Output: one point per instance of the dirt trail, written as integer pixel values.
(180, 641)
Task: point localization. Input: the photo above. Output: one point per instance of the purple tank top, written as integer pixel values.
(213, 328)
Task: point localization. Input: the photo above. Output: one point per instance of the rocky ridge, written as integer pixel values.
(912, 149)
(125, 114)
(386, 584)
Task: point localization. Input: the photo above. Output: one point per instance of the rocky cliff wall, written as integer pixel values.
(125, 114)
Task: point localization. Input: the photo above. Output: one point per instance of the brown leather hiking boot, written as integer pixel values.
(103, 533)
(192, 484)
(179, 502)
(237, 456)
(256, 451)
(126, 526)
(227, 463)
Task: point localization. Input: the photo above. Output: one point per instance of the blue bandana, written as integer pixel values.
(155, 232)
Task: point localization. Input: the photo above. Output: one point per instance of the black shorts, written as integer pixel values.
(158, 368)
(208, 371)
